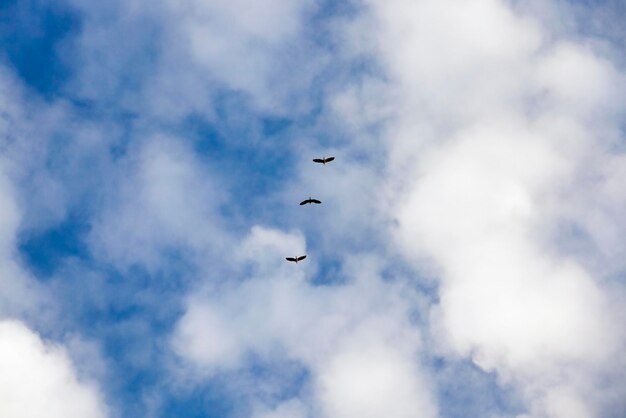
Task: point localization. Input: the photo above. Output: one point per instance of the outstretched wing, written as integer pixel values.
(329, 159)
(290, 259)
(318, 160)
(302, 257)
(315, 201)
(304, 202)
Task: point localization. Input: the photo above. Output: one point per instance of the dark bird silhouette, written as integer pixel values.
(295, 259)
(309, 201)
(323, 160)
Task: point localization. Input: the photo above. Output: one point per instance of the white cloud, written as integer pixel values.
(355, 340)
(178, 53)
(250, 46)
(374, 374)
(499, 139)
(38, 379)
(215, 336)
(266, 249)
(578, 80)
(218, 347)
(18, 292)
(289, 409)
(500, 132)
(164, 199)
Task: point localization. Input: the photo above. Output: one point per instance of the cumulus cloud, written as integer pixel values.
(370, 376)
(500, 166)
(38, 379)
(218, 337)
(257, 48)
(486, 133)
(497, 123)
(180, 56)
(475, 143)
(356, 341)
(164, 200)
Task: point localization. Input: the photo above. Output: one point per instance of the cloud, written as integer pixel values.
(18, 293)
(370, 376)
(256, 48)
(180, 57)
(288, 409)
(355, 341)
(38, 379)
(492, 130)
(479, 150)
(217, 346)
(218, 337)
(164, 201)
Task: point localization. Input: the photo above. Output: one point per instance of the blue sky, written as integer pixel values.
(467, 260)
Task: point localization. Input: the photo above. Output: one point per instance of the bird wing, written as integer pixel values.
(304, 202)
(290, 259)
(318, 160)
(302, 257)
(315, 201)
(329, 159)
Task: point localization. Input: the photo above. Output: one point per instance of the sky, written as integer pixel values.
(468, 259)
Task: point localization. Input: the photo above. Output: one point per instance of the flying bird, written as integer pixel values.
(295, 259)
(323, 160)
(309, 201)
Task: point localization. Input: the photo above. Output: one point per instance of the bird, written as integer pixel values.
(323, 160)
(309, 201)
(295, 259)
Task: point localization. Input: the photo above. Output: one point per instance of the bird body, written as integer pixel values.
(295, 259)
(323, 160)
(309, 201)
